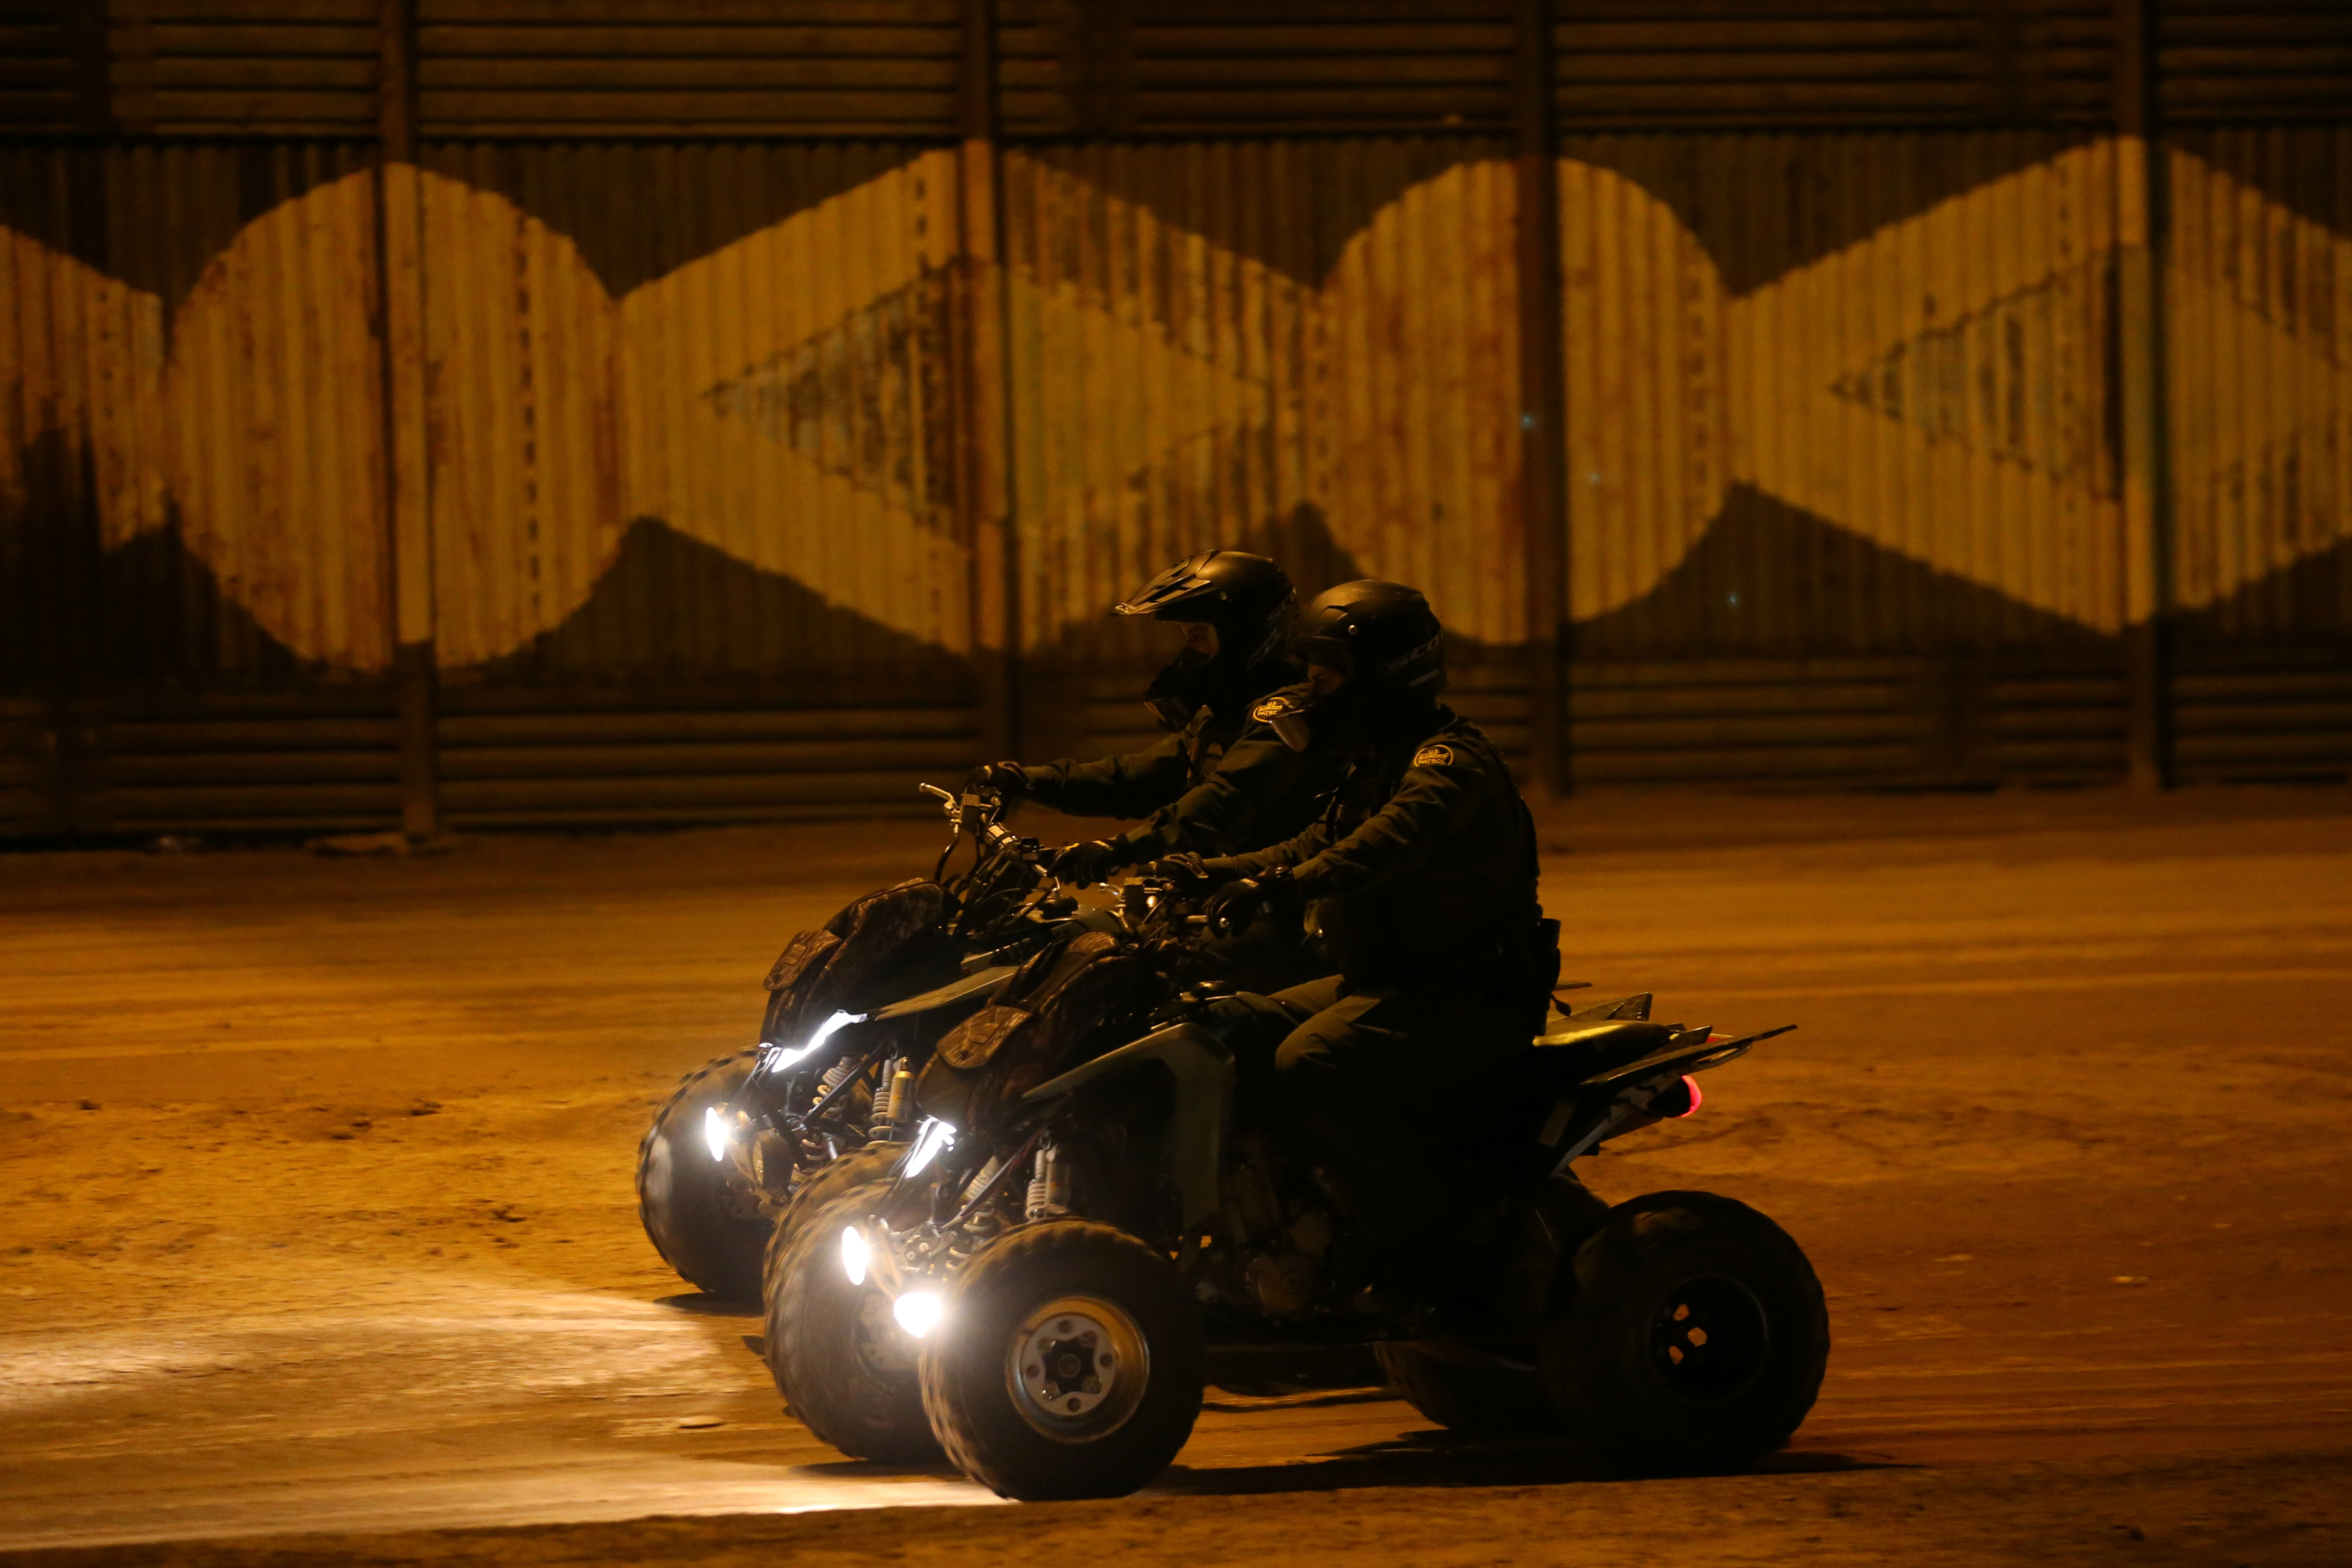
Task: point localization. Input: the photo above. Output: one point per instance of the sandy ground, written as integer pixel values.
(317, 1215)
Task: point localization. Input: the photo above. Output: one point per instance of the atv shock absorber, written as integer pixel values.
(984, 1178)
(1049, 1187)
(892, 1087)
(834, 1076)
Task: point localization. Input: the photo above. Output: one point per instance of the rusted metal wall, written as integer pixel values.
(194, 606)
(1808, 63)
(190, 479)
(752, 434)
(2259, 334)
(687, 429)
(605, 67)
(2261, 61)
(240, 68)
(1845, 415)
(1192, 68)
(767, 391)
(1839, 394)
(1303, 349)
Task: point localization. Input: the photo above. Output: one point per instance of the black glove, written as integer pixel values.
(1232, 908)
(1005, 777)
(1087, 863)
(1186, 869)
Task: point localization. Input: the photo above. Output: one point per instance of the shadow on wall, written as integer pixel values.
(75, 614)
(1773, 579)
(2310, 599)
(673, 608)
(1328, 192)
(1299, 541)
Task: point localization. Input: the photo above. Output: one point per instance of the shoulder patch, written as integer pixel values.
(1267, 711)
(1433, 757)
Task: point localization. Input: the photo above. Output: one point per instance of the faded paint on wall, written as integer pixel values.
(1171, 394)
(2259, 329)
(1935, 389)
(1938, 388)
(260, 430)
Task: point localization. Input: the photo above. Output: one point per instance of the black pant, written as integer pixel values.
(1383, 1081)
(1266, 956)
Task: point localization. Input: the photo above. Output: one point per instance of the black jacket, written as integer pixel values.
(1423, 866)
(1221, 785)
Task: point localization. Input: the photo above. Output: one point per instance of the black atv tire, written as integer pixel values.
(1468, 1391)
(846, 1370)
(816, 1192)
(1695, 1337)
(699, 1214)
(1037, 1307)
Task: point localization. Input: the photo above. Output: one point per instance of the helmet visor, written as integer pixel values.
(1329, 652)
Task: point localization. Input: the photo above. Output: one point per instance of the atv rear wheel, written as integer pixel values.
(1067, 1362)
(698, 1212)
(1468, 1391)
(1694, 1339)
(845, 1368)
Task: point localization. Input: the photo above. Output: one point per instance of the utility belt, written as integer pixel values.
(1523, 966)
(1539, 958)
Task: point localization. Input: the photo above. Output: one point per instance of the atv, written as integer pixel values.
(1102, 1189)
(744, 1135)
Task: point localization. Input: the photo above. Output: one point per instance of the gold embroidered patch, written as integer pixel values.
(1433, 757)
(1265, 711)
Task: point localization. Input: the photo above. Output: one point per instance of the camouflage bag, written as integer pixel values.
(1039, 1024)
(821, 972)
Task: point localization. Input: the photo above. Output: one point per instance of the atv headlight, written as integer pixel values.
(715, 1133)
(854, 1255)
(918, 1312)
(776, 1058)
(935, 1137)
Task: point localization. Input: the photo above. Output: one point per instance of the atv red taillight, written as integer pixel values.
(1671, 1103)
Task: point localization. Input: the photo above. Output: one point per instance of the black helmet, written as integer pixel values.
(1382, 633)
(1245, 597)
(1385, 639)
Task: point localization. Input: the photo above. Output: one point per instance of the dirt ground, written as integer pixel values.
(317, 1214)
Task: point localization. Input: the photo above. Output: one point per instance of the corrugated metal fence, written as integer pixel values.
(699, 530)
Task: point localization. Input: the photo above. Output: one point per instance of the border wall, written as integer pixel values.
(594, 411)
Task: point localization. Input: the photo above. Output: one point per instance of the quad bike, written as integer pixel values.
(846, 1026)
(1102, 1187)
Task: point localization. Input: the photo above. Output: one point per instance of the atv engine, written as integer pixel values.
(1270, 1255)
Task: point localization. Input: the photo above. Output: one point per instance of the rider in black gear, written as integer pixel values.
(1219, 782)
(1421, 878)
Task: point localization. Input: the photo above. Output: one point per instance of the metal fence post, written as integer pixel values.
(982, 490)
(1543, 433)
(2145, 457)
(400, 281)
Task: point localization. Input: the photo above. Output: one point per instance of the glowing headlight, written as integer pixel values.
(853, 1254)
(715, 1133)
(936, 1135)
(776, 1058)
(918, 1312)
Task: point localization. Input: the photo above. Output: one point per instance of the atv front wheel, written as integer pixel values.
(699, 1213)
(1694, 1339)
(1469, 1391)
(1067, 1362)
(815, 1193)
(845, 1368)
